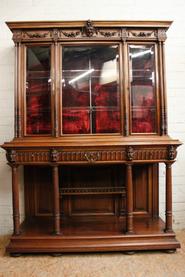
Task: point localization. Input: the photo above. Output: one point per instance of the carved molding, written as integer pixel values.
(99, 189)
(130, 153)
(172, 152)
(11, 156)
(90, 31)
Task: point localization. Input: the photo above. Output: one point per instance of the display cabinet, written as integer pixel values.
(90, 133)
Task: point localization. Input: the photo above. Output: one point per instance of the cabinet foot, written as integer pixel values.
(56, 254)
(129, 252)
(15, 255)
(170, 251)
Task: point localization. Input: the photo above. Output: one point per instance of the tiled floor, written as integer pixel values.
(142, 264)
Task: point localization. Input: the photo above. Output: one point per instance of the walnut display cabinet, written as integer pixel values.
(90, 133)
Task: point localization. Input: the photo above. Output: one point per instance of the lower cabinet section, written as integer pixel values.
(91, 191)
(93, 211)
(95, 235)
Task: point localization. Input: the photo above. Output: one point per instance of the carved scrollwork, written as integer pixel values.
(161, 35)
(71, 34)
(108, 33)
(35, 34)
(54, 155)
(11, 156)
(130, 153)
(172, 153)
(92, 157)
(142, 34)
(89, 29)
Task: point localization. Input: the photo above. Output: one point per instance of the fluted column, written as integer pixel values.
(129, 197)
(168, 227)
(15, 199)
(56, 199)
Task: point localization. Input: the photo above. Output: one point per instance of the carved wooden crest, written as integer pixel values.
(89, 29)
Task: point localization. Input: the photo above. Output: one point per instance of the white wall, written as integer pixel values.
(100, 10)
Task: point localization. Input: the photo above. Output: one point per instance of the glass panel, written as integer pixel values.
(38, 96)
(90, 89)
(142, 80)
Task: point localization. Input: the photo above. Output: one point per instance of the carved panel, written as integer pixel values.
(32, 156)
(150, 154)
(92, 156)
(126, 154)
(37, 35)
(142, 34)
(109, 33)
(70, 33)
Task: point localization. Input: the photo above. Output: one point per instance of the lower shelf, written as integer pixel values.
(91, 236)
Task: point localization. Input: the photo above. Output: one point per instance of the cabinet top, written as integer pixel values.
(13, 25)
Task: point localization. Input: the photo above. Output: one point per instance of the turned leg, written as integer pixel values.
(168, 228)
(129, 196)
(56, 200)
(15, 199)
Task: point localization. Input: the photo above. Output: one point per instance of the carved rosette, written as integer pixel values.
(54, 155)
(130, 153)
(92, 157)
(172, 152)
(11, 156)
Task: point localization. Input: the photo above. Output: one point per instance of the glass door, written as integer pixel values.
(38, 90)
(142, 81)
(90, 89)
